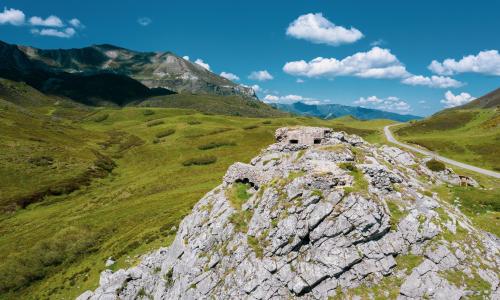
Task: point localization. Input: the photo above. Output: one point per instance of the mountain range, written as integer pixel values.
(331, 111)
(112, 72)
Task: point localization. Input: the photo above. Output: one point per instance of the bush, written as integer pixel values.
(165, 133)
(148, 112)
(155, 123)
(267, 122)
(250, 127)
(213, 145)
(193, 122)
(199, 161)
(101, 118)
(435, 165)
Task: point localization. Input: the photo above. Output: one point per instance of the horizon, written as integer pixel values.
(316, 53)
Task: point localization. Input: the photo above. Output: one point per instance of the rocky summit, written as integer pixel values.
(320, 214)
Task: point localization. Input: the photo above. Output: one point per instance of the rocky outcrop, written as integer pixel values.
(337, 218)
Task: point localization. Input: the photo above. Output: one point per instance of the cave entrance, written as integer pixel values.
(317, 141)
(294, 141)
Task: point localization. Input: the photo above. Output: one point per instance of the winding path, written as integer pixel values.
(390, 138)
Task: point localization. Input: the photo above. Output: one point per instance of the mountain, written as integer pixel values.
(331, 111)
(153, 69)
(490, 100)
(319, 215)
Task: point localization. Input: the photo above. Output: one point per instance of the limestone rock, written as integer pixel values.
(327, 212)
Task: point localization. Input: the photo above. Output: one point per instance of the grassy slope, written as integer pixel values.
(471, 136)
(56, 248)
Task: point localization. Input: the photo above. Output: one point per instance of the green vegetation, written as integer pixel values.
(217, 144)
(435, 165)
(238, 194)
(199, 161)
(165, 133)
(468, 135)
(479, 286)
(155, 123)
(396, 214)
(143, 193)
(360, 184)
(148, 112)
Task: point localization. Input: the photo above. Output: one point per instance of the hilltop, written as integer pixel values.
(319, 214)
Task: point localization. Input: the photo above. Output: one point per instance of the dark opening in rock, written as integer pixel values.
(294, 141)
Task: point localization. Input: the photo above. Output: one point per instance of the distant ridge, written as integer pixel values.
(489, 100)
(152, 69)
(331, 111)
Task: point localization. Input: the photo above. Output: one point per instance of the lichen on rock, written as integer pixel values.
(324, 213)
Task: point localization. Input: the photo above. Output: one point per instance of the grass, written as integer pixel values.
(165, 133)
(471, 136)
(123, 214)
(216, 144)
(396, 214)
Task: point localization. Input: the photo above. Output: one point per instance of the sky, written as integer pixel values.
(410, 57)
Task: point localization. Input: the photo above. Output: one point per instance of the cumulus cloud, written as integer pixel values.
(260, 75)
(144, 21)
(451, 100)
(229, 76)
(433, 81)
(186, 57)
(65, 33)
(201, 63)
(299, 80)
(256, 88)
(12, 16)
(76, 23)
(485, 62)
(50, 21)
(391, 104)
(376, 63)
(317, 29)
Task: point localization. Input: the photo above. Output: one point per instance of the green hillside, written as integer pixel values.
(101, 182)
(468, 135)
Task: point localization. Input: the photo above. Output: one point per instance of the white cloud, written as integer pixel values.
(376, 63)
(299, 80)
(485, 62)
(186, 57)
(201, 63)
(12, 16)
(317, 29)
(451, 100)
(378, 42)
(66, 33)
(391, 104)
(76, 23)
(433, 81)
(256, 88)
(229, 76)
(50, 21)
(261, 75)
(144, 21)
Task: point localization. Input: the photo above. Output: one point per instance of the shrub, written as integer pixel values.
(193, 122)
(435, 165)
(165, 133)
(41, 161)
(347, 166)
(155, 123)
(267, 122)
(101, 118)
(250, 127)
(148, 112)
(213, 145)
(199, 161)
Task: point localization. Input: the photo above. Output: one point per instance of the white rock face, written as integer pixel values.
(320, 219)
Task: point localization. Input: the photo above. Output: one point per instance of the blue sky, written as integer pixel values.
(371, 53)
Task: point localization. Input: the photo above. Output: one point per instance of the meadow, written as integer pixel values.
(150, 177)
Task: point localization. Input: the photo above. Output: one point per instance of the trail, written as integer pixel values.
(390, 138)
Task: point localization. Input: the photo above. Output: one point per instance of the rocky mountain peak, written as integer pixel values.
(319, 214)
